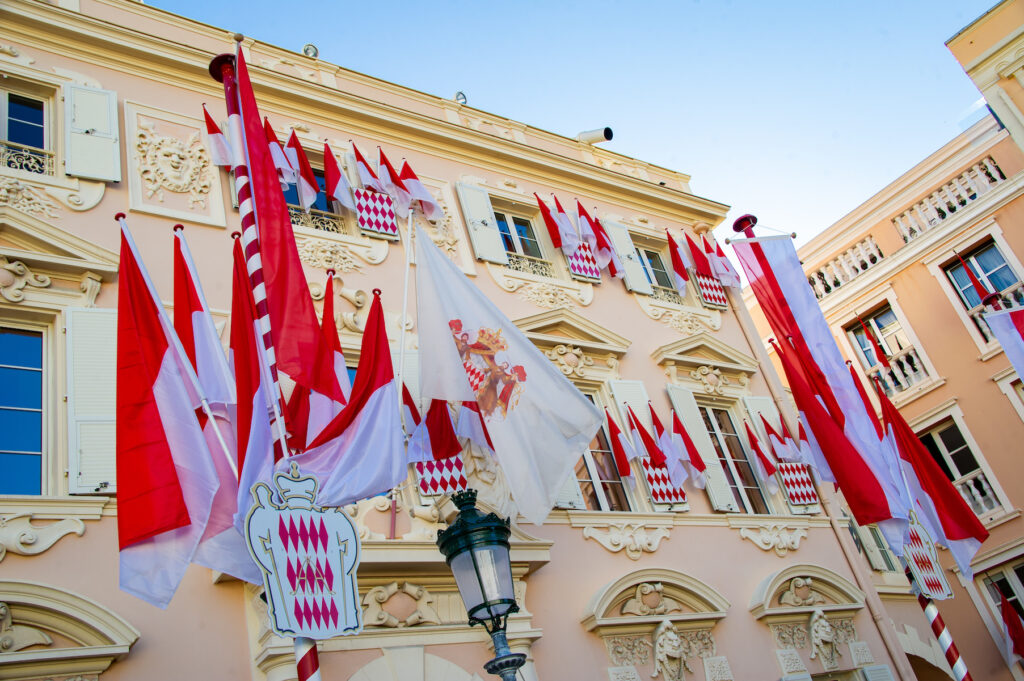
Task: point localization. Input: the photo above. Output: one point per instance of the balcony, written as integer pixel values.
(905, 371)
(979, 495)
(317, 219)
(845, 267)
(530, 265)
(949, 198)
(27, 159)
(1012, 296)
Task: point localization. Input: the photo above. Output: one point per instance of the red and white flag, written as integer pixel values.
(939, 506)
(699, 258)
(293, 322)
(434, 437)
(622, 448)
(765, 466)
(673, 456)
(216, 142)
(221, 547)
(587, 231)
(562, 233)
(360, 453)
(253, 387)
(727, 274)
(679, 264)
(307, 185)
(642, 440)
(166, 480)
(826, 397)
(367, 177)
(420, 194)
(539, 422)
(286, 173)
(689, 453)
(1012, 627)
(394, 185)
(472, 427)
(811, 454)
(778, 444)
(606, 255)
(335, 183)
(1008, 328)
(880, 356)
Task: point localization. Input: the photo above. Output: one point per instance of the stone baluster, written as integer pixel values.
(919, 211)
(819, 291)
(846, 266)
(993, 170)
(974, 182)
(902, 228)
(873, 248)
(971, 496)
(988, 495)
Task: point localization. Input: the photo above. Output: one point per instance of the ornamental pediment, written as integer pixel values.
(564, 326)
(703, 349)
(42, 245)
(797, 591)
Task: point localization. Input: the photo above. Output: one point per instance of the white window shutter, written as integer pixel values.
(869, 547)
(570, 495)
(92, 387)
(880, 672)
(634, 394)
(756, 407)
(481, 224)
(92, 139)
(635, 278)
(718, 490)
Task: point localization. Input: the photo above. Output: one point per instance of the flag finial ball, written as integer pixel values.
(179, 227)
(330, 272)
(744, 222)
(238, 37)
(376, 292)
(236, 235)
(221, 66)
(119, 216)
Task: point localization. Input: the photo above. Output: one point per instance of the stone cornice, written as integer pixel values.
(183, 66)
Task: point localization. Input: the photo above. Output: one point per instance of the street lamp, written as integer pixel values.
(477, 550)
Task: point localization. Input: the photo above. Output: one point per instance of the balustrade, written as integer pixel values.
(905, 370)
(317, 219)
(29, 159)
(845, 267)
(948, 198)
(524, 263)
(1012, 296)
(979, 495)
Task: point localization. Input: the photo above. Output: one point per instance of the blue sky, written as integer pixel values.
(794, 111)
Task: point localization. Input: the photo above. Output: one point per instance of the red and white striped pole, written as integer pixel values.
(306, 659)
(222, 68)
(931, 611)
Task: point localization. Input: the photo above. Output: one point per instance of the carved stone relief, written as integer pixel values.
(860, 653)
(547, 296)
(26, 198)
(625, 672)
(17, 636)
(634, 538)
(570, 360)
(775, 537)
(790, 636)
(532, 279)
(339, 256)
(823, 640)
(669, 659)
(718, 669)
(624, 650)
(487, 477)
(89, 285)
(168, 163)
(845, 630)
(686, 321)
(15, 276)
(800, 593)
(376, 598)
(19, 535)
(650, 600)
(362, 508)
(712, 379)
(790, 661)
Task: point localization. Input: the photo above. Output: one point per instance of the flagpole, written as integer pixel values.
(175, 342)
(407, 245)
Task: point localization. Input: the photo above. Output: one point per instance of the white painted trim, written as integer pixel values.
(1005, 379)
(994, 625)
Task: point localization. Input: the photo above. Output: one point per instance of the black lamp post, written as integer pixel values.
(477, 550)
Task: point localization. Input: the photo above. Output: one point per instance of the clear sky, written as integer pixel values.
(794, 111)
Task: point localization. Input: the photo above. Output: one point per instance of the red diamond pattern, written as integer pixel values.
(441, 477)
(303, 534)
(711, 292)
(323, 534)
(662, 490)
(927, 574)
(474, 374)
(582, 263)
(376, 213)
(796, 479)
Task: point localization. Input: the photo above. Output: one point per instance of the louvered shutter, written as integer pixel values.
(719, 493)
(635, 278)
(570, 495)
(795, 478)
(481, 224)
(91, 389)
(92, 136)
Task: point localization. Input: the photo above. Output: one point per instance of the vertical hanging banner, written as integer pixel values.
(308, 555)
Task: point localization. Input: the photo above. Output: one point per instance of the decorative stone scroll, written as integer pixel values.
(376, 598)
(570, 360)
(641, 604)
(19, 535)
(625, 650)
(26, 198)
(14, 637)
(801, 592)
(15, 276)
(776, 537)
(634, 538)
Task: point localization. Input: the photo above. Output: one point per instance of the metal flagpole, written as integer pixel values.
(179, 349)
(222, 68)
(407, 245)
(949, 649)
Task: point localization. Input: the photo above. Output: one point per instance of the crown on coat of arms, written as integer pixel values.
(491, 339)
(296, 485)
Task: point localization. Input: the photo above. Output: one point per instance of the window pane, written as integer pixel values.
(321, 202)
(26, 133)
(21, 348)
(21, 473)
(658, 269)
(1003, 278)
(963, 285)
(291, 195)
(928, 440)
(527, 238)
(989, 259)
(506, 233)
(21, 388)
(21, 431)
(25, 109)
(587, 486)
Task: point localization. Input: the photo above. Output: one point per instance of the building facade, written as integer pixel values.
(101, 114)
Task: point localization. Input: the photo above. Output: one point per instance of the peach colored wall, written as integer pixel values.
(986, 31)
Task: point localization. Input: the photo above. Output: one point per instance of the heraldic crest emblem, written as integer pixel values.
(495, 381)
(308, 556)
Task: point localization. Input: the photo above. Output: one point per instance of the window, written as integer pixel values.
(324, 214)
(23, 133)
(1009, 582)
(521, 244)
(992, 270)
(735, 463)
(599, 479)
(950, 450)
(658, 276)
(905, 366)
(21, 411)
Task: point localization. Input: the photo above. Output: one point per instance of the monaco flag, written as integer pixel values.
(1008, 328)
(472, 427)
(394, 185)
(335, 183)
(679, 264)
(673, 455)
(689, 453)
(360, 453)
(605, 254)
(1012, 627)
(286, 173)
(539, 422)
(622, 447)
(562, 233)
(587, 232)
(420, 194)
(727, 273)
(643, 439)
(306, 185)
(434, 437)
(367, 177)
(216, 142)
(765, 467)
(166, 480)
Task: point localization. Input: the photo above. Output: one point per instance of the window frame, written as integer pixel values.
(959, 292)
(728, 463)
(645, 245)
(47, 94)
(1013, 573)
(46, 408)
